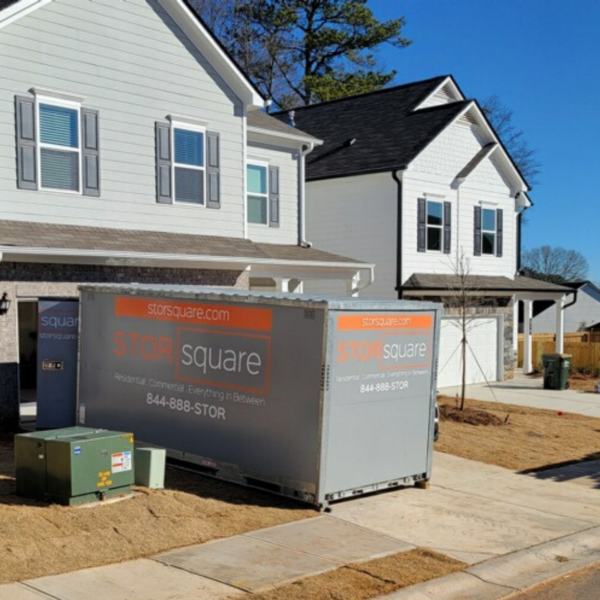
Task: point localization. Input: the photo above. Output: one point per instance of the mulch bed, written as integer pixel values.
(472, 416)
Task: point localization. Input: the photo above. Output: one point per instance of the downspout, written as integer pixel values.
(519, 236)
(305, 151)
(398, 235)
(458, 182)
(574, 292)
(245, 175)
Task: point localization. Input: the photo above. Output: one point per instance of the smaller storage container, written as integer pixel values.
(150, 464)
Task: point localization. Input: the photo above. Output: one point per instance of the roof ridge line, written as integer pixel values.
(381, 91)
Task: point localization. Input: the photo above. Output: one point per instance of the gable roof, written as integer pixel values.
(192, 25)
(388, 134)
(387, 129)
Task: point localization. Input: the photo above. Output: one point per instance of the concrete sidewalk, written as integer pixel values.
(529, 391)
(513, 530)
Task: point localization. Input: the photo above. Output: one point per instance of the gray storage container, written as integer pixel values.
(310, 397)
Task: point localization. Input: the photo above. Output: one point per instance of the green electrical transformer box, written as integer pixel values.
(74, 465)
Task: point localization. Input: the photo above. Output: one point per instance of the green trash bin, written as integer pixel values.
(556, 371)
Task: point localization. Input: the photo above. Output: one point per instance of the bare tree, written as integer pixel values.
(555, 264)
(462, 298)
(501, 118)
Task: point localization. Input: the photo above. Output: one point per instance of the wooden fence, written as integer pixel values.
(585, 348)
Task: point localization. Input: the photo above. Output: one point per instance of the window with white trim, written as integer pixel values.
(488, 231)
(59, 148)
(188, 164)
(435, 225)
(257, 184)
(57, 143)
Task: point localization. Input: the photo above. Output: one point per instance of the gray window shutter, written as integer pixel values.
(499, 227)
(447, 226)
(212, 170)
(273, 196)
(421, 228)
(477, 231)
(163, 163)
(90, 152)
(26, 140)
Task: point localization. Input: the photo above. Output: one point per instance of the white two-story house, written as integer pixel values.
(133, 149)
(414, 179)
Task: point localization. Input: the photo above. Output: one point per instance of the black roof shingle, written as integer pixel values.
(388, 134)
(261, 120)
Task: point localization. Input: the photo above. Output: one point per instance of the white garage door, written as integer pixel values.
(482, 351)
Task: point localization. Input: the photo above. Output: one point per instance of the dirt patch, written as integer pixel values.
(583, 382)
(472, 416)
(369, 579)
(37, 539)
(530, 439)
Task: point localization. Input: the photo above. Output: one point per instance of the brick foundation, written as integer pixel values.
(33, 281)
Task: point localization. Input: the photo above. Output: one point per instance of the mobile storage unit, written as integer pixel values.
(310, 397)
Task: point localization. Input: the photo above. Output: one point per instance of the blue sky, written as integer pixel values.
(542, 58)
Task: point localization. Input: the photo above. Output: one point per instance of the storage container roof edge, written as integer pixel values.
(279, 298)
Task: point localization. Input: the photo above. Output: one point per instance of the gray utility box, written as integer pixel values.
(310, 397)
(150, 465)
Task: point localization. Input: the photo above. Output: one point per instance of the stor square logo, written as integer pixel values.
(236, 361)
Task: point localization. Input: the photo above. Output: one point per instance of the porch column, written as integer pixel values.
(283, 285)
(527, 346)
(352, 285)
(516, 327)
(560, 326)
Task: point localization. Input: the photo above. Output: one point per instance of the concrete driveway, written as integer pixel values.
(529, 391)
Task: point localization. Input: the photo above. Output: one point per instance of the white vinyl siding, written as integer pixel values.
(585, 310)
(433, 173)
(135, 69)
(356, 217)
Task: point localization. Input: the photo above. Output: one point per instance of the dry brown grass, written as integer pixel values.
(360, 581)
(531, 438)
(37, 539)
(582, 382)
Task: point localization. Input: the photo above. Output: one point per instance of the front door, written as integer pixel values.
(57, 363)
